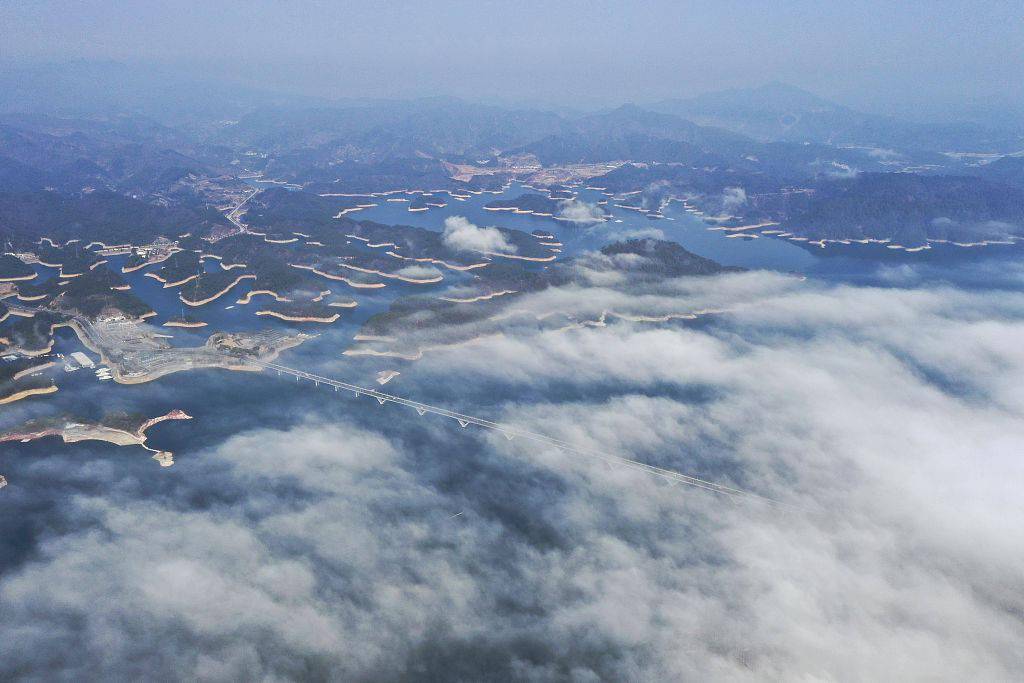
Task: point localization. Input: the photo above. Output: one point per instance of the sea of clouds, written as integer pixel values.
(344, 540)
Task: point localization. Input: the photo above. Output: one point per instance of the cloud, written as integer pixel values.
(655, 195)
(919, 383)
(419, 271)
(576, 211)
(637, 234)
(733, 198)
(970, 231)
(884, 154)
(325, 547)
(836, 169)
(223, 583)
(460, 233)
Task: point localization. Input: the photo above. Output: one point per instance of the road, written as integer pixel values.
(233, 215)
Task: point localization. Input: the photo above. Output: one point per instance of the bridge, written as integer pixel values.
(511, 432)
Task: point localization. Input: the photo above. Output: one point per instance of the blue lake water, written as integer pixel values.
(984, 267)
(863, 264)
(227, 403)
(988, 267)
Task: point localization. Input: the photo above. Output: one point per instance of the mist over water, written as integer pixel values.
(349, 539)
(865, 401)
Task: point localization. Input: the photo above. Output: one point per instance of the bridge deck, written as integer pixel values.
(510, 432)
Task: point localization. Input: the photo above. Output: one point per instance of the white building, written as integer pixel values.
(82, 359)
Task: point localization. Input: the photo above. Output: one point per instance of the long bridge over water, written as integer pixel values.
(511, 432)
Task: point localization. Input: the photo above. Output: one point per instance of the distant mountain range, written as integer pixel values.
(778, 112)
(822, 169)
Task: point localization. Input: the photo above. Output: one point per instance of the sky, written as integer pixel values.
(299, 537)
(880, 55)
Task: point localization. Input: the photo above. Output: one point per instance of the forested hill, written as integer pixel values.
(101, 216)
(910, 209)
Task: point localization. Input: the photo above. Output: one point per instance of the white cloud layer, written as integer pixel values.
(892, 417)
(576, 211)
(460, 233)
(733, 198)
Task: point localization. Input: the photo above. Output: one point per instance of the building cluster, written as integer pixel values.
(158, 248)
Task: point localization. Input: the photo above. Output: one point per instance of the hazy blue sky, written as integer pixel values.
(876, 52)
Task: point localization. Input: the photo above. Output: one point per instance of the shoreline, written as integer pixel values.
(77, 432)
(23, 278)
(254, 292)
(34, 369)
(150, 262)
(166, 284)
(392, 276)
(300, 319)
(340, 278)
(40, 352)
(439, 262)
(26, 393)
(218, 295)
(482, 297)
(173, 323)
(536, 259)
(222, 363)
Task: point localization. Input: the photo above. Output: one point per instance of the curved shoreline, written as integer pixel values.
(439, 262)
(76, 432)
(393, 276)
(299, 319)
(225, 364)
(538, 259)
(254, 292)
(167, 284)
(218, 294)
(35, 368)
(340, 278)
(173, 323)
(776, 229)
(150, 262)
(482, 297)
(23, 278)
(31, 353)
(25, 393)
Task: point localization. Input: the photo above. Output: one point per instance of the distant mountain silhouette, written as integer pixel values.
(780, 112)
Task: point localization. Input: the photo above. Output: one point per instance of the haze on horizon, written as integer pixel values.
(302, 384)
(885, 57)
